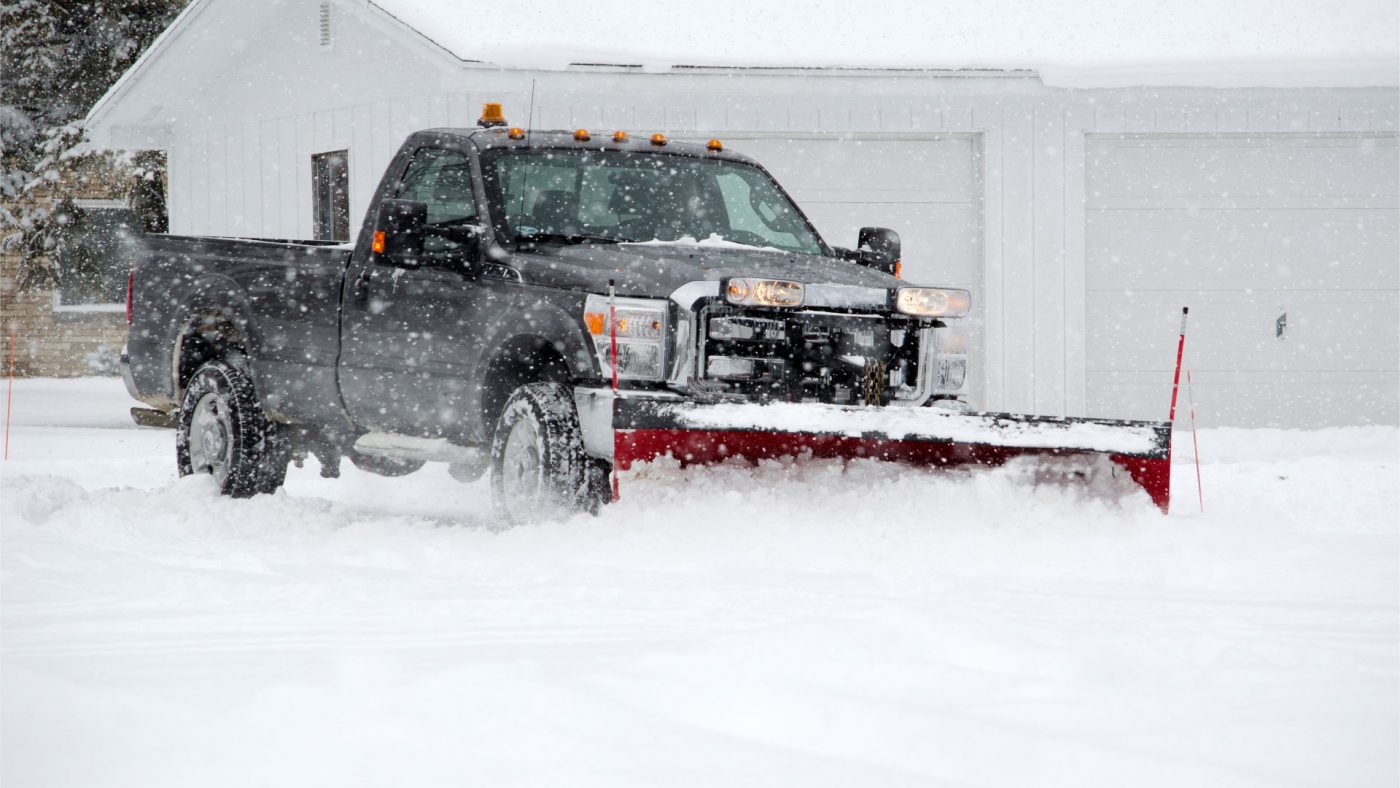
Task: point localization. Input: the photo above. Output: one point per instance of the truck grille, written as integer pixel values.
(810, 356)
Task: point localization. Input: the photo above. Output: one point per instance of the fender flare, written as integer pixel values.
(219, 298)
(534, 325)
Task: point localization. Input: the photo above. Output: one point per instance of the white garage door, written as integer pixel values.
(927, 190)
(1286, 248)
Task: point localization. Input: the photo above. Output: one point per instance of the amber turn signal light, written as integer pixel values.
(378, 245)
(594, 321)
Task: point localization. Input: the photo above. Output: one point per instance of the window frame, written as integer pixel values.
(316, 156)
(91, 308)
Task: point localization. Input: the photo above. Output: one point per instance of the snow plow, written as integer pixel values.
(698, 434)
(694, 434)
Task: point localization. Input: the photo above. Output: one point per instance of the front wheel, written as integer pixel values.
(539, 470)
(223, 431)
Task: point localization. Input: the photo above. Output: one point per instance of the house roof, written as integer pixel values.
(1070, 43)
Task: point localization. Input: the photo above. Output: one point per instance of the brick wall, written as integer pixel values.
(51, 342)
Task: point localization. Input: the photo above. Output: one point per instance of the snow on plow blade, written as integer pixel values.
(695, 434)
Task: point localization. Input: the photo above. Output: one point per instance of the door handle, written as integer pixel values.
(361, 291)
(1281, 325)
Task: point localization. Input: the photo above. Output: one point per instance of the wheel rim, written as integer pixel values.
(522, 472)
(211, 438)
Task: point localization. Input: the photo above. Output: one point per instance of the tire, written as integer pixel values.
(384, 466)
(223, 431)
(539, 470)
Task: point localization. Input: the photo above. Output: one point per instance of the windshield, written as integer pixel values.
(600, 196)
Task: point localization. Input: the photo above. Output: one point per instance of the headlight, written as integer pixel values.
(933, 302)
(641, 335)
(763, 292)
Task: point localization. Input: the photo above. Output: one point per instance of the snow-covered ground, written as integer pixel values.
(870, 625)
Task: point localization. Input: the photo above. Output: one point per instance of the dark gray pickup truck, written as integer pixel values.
(472, 322)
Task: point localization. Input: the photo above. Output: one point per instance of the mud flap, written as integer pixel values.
(696, 434)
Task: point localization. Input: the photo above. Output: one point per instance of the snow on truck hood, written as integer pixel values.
(654, 270)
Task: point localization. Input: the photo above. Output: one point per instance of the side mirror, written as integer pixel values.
(398, 233)
(878, 248)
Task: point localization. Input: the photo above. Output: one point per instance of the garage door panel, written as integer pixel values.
(1285, 401)
(934, 170)
(925, 190)
(1242, 229)
(1245, 167)
(1352, 330)
(1316, 249)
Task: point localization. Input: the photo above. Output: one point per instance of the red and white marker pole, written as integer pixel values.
(1176, 382)
(1176, 379)
(612, 332)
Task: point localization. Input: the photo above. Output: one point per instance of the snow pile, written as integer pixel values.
(811, 624)
(927, 424)
(1071, 44)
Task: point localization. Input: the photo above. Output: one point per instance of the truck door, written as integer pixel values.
(406, 332)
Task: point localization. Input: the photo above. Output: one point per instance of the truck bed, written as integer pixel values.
(280, 301)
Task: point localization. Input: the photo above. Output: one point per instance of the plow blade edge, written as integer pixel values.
(696, 434)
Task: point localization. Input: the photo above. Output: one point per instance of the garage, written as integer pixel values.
(1283, 245)
(925, 188)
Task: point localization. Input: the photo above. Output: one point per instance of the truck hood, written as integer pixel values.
(654, 270)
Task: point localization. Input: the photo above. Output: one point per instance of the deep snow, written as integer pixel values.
(816, 625)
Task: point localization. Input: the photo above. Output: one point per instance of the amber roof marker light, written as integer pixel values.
(714, 146)
(658, 139)
(492, 115)
(619, 136)
(582, 135)
(516, 133)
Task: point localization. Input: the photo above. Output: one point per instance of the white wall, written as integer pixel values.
(241, 140)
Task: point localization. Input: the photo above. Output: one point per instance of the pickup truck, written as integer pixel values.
(506, 286)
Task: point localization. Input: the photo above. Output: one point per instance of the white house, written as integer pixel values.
(1085, 171)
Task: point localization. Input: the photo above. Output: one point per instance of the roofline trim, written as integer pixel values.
(182, 20)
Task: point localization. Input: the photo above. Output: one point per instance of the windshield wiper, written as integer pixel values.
(568, 238)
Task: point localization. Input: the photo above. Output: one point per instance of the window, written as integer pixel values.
(96, 252)
(593, 195)
(330, 202)
(757, 211)
(442, 180)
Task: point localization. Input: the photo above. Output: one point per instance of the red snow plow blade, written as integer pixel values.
(696, 434)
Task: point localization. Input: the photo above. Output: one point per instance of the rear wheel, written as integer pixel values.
(222, 431)
(538, 467)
